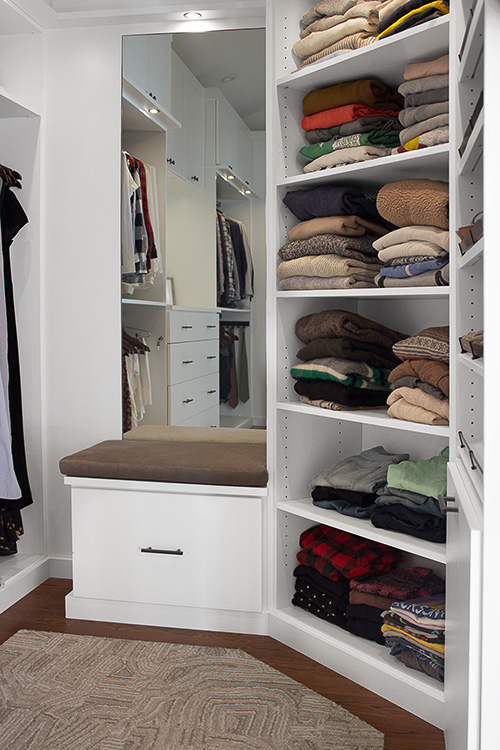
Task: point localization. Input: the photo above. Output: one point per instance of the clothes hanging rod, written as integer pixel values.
(139, 330)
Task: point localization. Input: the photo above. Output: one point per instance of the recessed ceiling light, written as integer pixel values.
(248, 192)
(227, 79)
(192, 15)
(230, 177)
(153, 111)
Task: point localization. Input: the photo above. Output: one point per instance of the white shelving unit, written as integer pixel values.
(305, 439)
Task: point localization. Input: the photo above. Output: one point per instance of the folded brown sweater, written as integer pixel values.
(327, 8)
(431, 343)
(347, 247)
(427, 370)
(363, 91)
(415, 201)
(342, 323)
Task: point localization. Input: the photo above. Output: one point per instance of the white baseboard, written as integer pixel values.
(160, 615)
(32, 570)
(61, 567)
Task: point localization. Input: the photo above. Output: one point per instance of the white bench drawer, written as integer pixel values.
(192, 360)
(192, 326)
(191, 397)
(219, 537)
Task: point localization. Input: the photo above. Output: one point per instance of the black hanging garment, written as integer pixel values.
(12, 219)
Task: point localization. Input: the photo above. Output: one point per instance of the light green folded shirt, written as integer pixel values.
(387, 138)
(427, 477)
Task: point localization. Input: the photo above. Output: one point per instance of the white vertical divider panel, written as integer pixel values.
(491, 601)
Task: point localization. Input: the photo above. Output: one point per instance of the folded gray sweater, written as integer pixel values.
(363, 472)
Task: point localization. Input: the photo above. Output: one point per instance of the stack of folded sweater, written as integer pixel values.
(347, 104)
(421, 384)
(344, 362)
(332, 247)
(330, 556)
(335, 26)
(425, 116)
(417, 253)
(370, 597)
(414, 630)
(399, 15)
(350, 486)
(408, 502)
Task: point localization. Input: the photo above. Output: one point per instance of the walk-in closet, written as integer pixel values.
(106, 301)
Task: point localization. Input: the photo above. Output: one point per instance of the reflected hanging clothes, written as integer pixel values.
(12, 219)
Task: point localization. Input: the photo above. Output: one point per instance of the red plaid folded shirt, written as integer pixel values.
(336, 554)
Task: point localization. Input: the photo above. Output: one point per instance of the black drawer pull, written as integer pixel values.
(211, 326)
(188, 401)
(212, 391)
(152, 551)
(186, 326)
(187, 361)
(212, 356)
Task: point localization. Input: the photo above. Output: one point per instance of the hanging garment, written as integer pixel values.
(244, 389)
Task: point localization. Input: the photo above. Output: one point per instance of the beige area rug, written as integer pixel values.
(73, 692)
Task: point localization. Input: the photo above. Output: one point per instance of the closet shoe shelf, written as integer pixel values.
(422, 42)
(362, 527)
(473, 49)
(474, 149)
(375, 417)
(473, 255)
(429, 162)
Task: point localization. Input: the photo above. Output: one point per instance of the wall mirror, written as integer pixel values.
(193, 229)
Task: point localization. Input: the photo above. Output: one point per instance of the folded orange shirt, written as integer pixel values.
(349, 112)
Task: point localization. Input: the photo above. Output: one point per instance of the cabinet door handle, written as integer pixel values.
(230, 167)
(152, 551)
(443, 501)
(214, 391)
(212, 356)
(186, 326)
(211, 326)
(188, 401)
(187, 361)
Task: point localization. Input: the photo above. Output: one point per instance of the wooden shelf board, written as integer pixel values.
(362, 527)
(375, 417)
(424, 42)
(474, 149)
(473, 49)
(473, 255)
(429, 162)
(362, 649)
(417, 292)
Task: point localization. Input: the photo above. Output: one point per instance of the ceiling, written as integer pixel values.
(215, 55)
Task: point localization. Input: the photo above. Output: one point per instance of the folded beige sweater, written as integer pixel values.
(389, 6)
(351, 155)
(326, 266)
(420, 398)
(411, 115)
(438, 67)
(333, 282)
(401, 409)
(327, 8)
(348, 226)
(408, 134)
(422, 233)
(415, 201)
(360, 10)
(351, 42)
(318, 40)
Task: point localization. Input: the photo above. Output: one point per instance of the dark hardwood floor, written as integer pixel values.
(43, 609)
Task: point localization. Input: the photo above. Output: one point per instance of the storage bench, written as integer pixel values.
(168, 533)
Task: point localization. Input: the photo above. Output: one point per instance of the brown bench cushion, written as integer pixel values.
(240, 465)
(196, 434)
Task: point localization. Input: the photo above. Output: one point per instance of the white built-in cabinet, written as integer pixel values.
(145, 61)
(303, 439)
